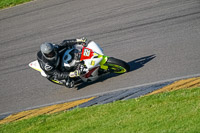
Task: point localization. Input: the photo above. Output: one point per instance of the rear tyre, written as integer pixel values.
(117, 65)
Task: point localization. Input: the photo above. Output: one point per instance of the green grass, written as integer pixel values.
(10, 3)
(171, 112)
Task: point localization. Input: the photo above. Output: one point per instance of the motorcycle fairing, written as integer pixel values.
(93, 58)
(35, 65)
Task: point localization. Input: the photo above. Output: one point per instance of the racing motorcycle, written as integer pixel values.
(95, 63)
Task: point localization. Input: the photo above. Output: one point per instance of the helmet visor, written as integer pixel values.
(51, 54)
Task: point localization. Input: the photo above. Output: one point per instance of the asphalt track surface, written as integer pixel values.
(159, 39)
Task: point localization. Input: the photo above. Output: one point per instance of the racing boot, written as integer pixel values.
(69, 83)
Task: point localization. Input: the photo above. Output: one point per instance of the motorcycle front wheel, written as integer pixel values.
(117, 65)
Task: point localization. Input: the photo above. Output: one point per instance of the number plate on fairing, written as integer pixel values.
(86, 54)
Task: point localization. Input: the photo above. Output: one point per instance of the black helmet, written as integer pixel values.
(48, 51)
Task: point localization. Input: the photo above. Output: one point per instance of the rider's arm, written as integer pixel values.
(71, 42)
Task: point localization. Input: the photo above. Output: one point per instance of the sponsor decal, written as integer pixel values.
(92, 62)
(48, 67)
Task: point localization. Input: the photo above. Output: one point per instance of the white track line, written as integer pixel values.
(102, 93)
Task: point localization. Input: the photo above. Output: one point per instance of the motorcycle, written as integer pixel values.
(95, 63)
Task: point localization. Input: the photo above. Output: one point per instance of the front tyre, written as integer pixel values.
(117, 65)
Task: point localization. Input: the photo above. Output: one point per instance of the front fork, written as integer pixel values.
(103, 62)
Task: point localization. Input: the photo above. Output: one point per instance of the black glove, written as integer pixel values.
(82, 41)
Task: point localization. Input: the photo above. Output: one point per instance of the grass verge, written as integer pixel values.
(174, 112)
(10, 3)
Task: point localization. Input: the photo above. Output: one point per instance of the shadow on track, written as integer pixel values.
(134, 65)
(138, 63)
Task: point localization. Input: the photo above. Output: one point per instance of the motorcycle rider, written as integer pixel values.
(50, 56)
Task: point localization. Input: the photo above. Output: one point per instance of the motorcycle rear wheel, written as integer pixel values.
(117, 65)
